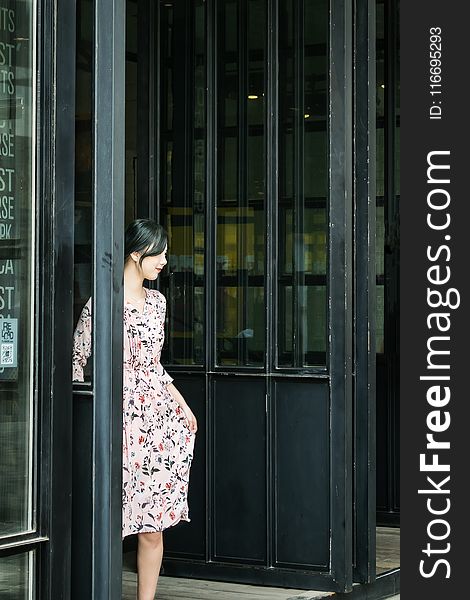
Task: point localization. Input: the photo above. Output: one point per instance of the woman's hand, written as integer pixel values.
(176, 395)
(192, 423)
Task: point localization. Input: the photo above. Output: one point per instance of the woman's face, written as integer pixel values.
(152, 265)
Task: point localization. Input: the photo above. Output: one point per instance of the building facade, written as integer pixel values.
(264, 136)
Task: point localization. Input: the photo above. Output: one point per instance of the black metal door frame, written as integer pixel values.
(390, 514)
(340, 273)
(53, 222)
(343, 344)
(57, 175)
(340, 284)
(364, 297)
(96, 543)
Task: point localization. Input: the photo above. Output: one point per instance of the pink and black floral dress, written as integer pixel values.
(157, 444)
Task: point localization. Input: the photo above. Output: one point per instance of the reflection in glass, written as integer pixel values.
(17, 251)
(380, 275)
(17, 577)
(182, 177)
(303, 183)
(240, 206)
(83, 225)
(83, 249)
(387, 282)
(132, 92)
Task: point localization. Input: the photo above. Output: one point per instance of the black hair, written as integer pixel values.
(146, 237)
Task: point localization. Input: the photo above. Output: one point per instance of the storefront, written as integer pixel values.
(264, 136)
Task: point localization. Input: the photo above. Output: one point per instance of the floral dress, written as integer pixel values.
(157, 443)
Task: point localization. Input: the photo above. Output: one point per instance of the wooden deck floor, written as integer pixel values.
(170, 588)
(388, 548)
(175, 588)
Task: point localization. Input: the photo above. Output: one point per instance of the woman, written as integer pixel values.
(158, 425)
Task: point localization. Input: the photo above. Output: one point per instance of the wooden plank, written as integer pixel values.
(195, 589)
(388, 548)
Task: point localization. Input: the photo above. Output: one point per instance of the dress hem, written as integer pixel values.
(154, 530)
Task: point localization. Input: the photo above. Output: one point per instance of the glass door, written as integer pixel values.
(254, 145)
(19, 316)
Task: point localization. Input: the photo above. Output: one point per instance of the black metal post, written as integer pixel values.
(210, 255)
(108, 204)
(364, 300)
(340, 289)
(56, 174)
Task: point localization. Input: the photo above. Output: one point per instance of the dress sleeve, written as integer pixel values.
(81, 343)
(166, 379)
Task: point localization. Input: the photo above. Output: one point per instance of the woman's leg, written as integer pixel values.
(149, 560)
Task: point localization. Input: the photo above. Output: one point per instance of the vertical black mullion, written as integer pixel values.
(297, 223)
(153, 99)
(242, 196)
(188, 276)
(396, 305)
(216, 153)
(271, 124)
(159, 76)
(300, 200)
(191, 60)
(279, 223)
(44, 371)
(55, 172)
(340, 292)
(365, 278)
(108, 204)
(210, 263)
(143, 108)
(394, 301)
(391, 243)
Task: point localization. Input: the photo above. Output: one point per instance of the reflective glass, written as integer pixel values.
(303, 183)
(380, 178)
(241, 185)
(380, 275)
(131, 112)
(17, 577)
(17, 264)
(83, 243)
(182, 177)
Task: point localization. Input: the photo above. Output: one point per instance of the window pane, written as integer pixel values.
(241, 168)
(303, 183)
(381, 165)
(17, 577)
(131, 112)
(17, 242)
(83, 225)
(182, 177)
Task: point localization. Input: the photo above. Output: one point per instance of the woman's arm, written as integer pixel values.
(82, 343)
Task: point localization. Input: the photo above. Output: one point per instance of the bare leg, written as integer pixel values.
(149, 560)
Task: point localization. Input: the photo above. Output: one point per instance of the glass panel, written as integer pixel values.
(17, 250)
(182, 177)
(83, 248)
(387, 281)
(131, 112)
(380, 177)
(17, 577)
(303, 183)
(380, 274)
(240, 204)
